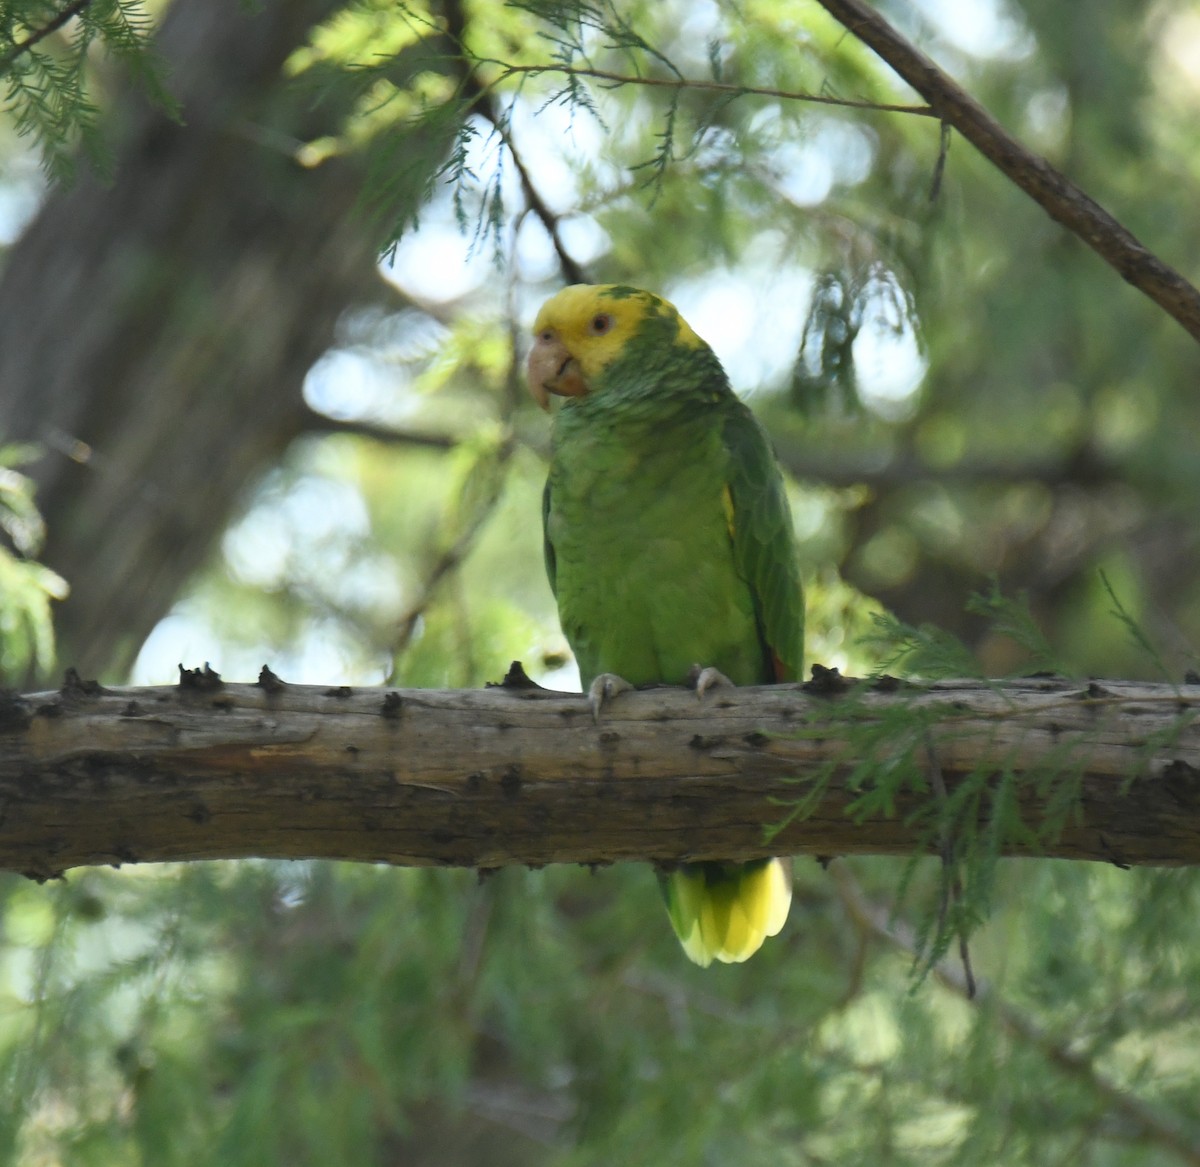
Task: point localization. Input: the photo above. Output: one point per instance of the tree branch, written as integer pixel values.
(1062, 200)
(725, 87)
(484, 103)
(40, 34)
(522, 775)
(453, 556)
(313, 422)
(1084, 468)
(572, 270)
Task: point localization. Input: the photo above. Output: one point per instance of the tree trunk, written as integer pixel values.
(502, 776)
(154, 335)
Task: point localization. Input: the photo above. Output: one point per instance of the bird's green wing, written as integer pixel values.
(763, 542)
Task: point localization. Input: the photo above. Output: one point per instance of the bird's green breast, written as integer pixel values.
(644, 565)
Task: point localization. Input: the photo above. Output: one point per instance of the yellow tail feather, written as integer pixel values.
(724, 911)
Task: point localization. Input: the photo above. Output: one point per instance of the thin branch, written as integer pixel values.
(951, 889)
(571, 268)
(454, 555)
(1158, 1127)
(1085, 468)
(939, 169)
(69, 13)
(314, 422)
(682, 83)
(1062, 200)
(484, 103)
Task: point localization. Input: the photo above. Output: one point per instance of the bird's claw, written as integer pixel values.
(704, 678)
(604, 688)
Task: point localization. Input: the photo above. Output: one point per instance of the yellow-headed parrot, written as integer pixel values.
(668, 543)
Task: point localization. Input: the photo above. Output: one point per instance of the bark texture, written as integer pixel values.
(155, 335)
(503, 776)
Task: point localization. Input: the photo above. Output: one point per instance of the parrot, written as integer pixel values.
(669, 548)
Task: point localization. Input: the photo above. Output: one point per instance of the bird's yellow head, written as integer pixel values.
(583, 329)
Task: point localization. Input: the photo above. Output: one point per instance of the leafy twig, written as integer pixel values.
(1158, 1127)
(1136, 633)
(951, 889)
(571, 268)
(1012, 618)
(484, 104)
(1058, 196)
(53, 25)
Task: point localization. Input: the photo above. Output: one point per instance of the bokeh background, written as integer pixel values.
(261, 402)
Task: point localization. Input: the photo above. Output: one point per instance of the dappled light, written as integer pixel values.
(263, 401)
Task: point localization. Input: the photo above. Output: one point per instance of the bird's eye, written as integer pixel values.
(600, 324)
(546, 334)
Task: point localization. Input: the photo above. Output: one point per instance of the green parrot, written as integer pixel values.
(669, 548)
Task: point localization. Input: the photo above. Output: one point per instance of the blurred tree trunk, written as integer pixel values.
(154, 335)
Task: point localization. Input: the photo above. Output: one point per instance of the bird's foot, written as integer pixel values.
(704, 678)
(604, 688)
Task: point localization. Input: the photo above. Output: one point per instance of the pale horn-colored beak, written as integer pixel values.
(552, 369)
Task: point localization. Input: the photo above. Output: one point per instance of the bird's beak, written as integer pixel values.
(552, 369)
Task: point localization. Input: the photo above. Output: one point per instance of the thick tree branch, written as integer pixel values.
(504, 775)
(1062, 200)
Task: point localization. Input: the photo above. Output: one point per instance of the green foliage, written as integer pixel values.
(1136, 632)
(1043, 434)
(931, 652)
(417, 146)
(45, 63)
(889, 765)
(927, 651)
(312, 1013)
(27, 588)
(1012, 618)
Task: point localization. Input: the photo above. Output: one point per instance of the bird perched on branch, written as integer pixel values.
(669, 547)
